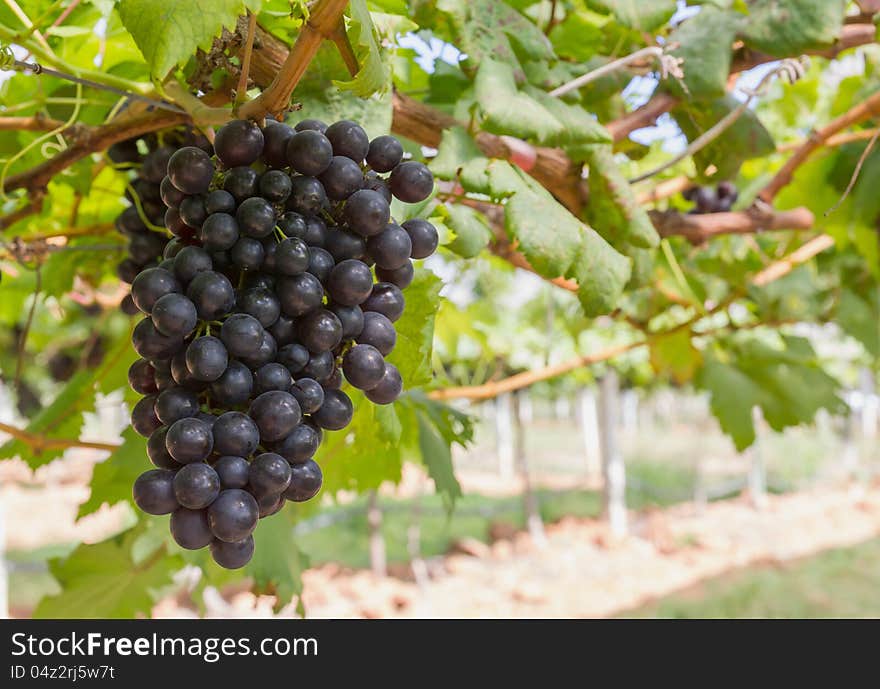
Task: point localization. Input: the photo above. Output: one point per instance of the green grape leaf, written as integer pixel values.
(457, 148)
(676, 355)
(169, 32)
(579, 36)
(113, 478)
(373, 76)
(278, 563)
(613, 209)
(786, 28)
(641, 15)
(859, 316)
(472, 231)
(104, 580)
(704, 45)
(578, 126)
(744, 139)
(415, 330)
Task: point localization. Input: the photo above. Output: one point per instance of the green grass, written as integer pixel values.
(843, 582)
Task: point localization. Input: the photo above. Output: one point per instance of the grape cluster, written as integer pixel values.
(709, 200)
(284, 278)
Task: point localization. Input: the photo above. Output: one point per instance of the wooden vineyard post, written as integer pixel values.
(504, 435)
(530, 499)
(613, 470)
(378, 560)
(757, 478)
(588, 414)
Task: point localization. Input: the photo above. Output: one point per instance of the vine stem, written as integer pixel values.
(870, 107)
(321, 23)
(241, 89)
(668, 65)
(38, 442)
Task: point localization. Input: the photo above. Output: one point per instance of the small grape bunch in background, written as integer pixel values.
(719, 199)
(281, 282)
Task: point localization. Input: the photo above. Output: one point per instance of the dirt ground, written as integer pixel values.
(581, 570)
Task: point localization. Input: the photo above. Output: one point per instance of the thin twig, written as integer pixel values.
(241, 89)
(22, 340)
(855, 174)
(668, 65)
(38, 442)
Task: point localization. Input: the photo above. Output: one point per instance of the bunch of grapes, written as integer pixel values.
(709, 200)
(284, 278)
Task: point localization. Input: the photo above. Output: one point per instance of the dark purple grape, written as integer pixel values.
(307, 195)
(189, 440)
(411, 182)
(283, 330)
(236, 434)
(242, 183)
(242, 334)
(233, 515)
(142, 377)
(309, 394)
(212, 293)
(275, 186)
(171, 196)
(402, 277)
(423, 237)
(219, 201)
(234, 387)
(305, 481)
(275, 138)
(156, 164)
(316, 232)
(239, 142)
(233, 471)
(191, 261)
(266, 353)
(150, 285)
(320, 367)
(379, 332)
(352, 319)
(153, 492)
(190, 169)
(292, 257)
(299, 294)
(348, 139)
(158, 453)
(350, 282)
(262, 304)
(336, 412)
(174, 315)
(388, 389)
(320, 263)
(320, 330)
(317, 125)
(272, 376)
(366, 212)
(256, 217)
(391, 249)
(269, 474)
(235, 554)
(248, 253)
(344, 245)
(384, 154)
(176, 403)
(301, 444)
(276, 414)
(190, 529)
(342, 178)
(206, 359)
(386, 299)
(309, 152)
(127, 271)
(151, 344)
(293, 357)
(196, 485)
(143, 416)
(363, 366)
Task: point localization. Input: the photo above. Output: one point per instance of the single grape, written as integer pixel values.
(174, 315)
(236, 434)
(316, 232)
(386, 299)
(305, 481)
(156, 164)
(402, 277)
(350, 282)
(344, 245)
(269, 474)
(411, 181)
(391, 249)
(275, 186)
(172, 248)
(233, 555)
(299, 294)
(143, 416)
(293, 357)
(320, 330)
(266, 353)
(373, 182)
(158, 453)
(363, 366)
(283, 330)
(272, 376)
(233, 471)
(242, 183)
(190, 529)
(196, 485)
(143, 248)
(176, 403)
(150, 285)
(219, 201)
(336, 412)
(212, 293)
(242, 334)
(342, 178)
(171, 196)
(292, 224)
(153, 492)
(292, 257)
(192, 211)
(348, 139)
(276, 414)
(239, 142)
(270, 504)
(233, 515)
(307, 195)
(191, 261)
(320, 263)
(334, 382)
(189, 440)
(206, 358)
(384, 154)
(309, 152)
(309, 394)
(181, 375)
(320, 367)
(142, 377)
(256, 217)
(275, 138)
(151, 344)
(262, 304)
(352, 319)
(423, 236)
(300, 445)
(388, 389)
(127, 271)
(234, 387)
(379, 332)
(219, 232)
(248, 253)
(317, 125)
(260, 280)
(366, 212)
(190, 170)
